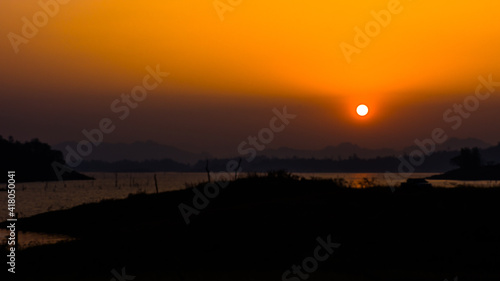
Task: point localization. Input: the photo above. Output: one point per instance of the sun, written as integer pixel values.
(362, 110)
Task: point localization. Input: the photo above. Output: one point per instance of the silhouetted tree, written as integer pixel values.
(31, 160)
(468, 158)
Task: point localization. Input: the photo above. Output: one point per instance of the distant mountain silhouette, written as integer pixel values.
(453, 144)
(342, 151)
(344, 158)
(491, 155)
(437, 162)
(32, 161)
(137, 151)
(346, 149)
(128, 166)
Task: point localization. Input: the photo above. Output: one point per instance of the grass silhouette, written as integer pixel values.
(260, 225)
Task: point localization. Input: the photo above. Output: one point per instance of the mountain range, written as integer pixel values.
(136, 151)
(150, 150)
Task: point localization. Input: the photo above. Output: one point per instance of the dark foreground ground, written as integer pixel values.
(483, 173)
(258, 228)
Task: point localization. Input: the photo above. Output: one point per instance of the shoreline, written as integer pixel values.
(268, 224)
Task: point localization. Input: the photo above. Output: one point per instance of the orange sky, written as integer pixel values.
(226, 76)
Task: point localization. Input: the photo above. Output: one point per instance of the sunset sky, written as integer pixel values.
(226, 76)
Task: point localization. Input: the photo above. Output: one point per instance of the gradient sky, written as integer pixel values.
(227, 76)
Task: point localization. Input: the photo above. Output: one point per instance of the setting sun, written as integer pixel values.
(362, 110)
(382, 107)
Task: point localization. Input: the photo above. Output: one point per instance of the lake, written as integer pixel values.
(40, 197)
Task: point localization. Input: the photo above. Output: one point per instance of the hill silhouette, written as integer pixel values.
(32, 161)
(483, 173)
(437, 162)
(150, 150)
(136, 151)
(261, 226)
(472, 166)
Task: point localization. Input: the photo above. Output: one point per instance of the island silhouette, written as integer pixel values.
(33, 161)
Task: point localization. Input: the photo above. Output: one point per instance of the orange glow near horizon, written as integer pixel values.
(274, 51)
(293, 47)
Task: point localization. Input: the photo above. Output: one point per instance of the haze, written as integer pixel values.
(227, 76)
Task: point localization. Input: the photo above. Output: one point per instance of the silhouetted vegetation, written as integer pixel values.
(471, 167)
(257, 227)
(438, 162)
(483, 173)
(32, 161)
(344, 158)
(468, 159)
(127, 166)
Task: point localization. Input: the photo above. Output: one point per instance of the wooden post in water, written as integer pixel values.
(156, 185)
(236, 171)
(208, 171)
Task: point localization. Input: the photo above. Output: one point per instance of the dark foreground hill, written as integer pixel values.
(258, 228)
(482, 173)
